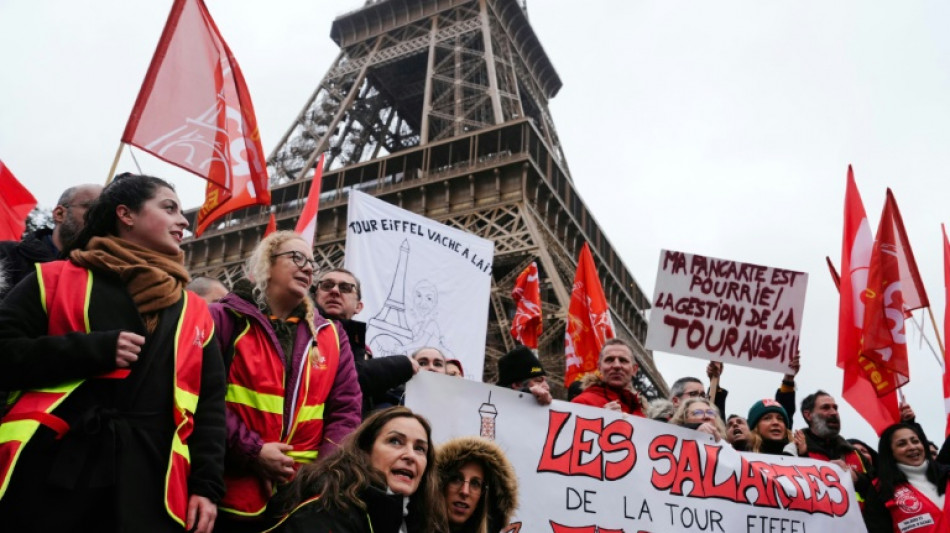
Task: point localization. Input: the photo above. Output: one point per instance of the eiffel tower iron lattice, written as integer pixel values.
(441, 107)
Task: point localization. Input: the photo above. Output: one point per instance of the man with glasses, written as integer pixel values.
(338, 297)
(44, 244)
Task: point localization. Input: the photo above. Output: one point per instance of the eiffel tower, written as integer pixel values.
(441, 107)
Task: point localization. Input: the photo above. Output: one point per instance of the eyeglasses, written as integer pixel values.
(694, 394)
(475, 485)
(700, 412)
(298, 258)
(326, 285)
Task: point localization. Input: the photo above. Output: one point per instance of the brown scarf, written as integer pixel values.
(155, 280)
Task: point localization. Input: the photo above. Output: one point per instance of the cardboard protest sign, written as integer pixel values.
(424, 284)
(726, 311)
(586, 469)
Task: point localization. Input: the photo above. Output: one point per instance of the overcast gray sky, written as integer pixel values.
(723, 129)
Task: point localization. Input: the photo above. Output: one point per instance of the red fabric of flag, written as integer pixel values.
(194, 111)
(526, 324)
(16, 202)
(946, 328)
(588, 320)
(861, 375)
(894, 289)
(271, 225)
(307, 223)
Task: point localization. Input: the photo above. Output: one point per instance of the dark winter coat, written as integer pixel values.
(107, 473)
(18, 257)
(384, 514)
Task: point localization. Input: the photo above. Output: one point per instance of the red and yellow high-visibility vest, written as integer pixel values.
(256, 392)
(65, 289)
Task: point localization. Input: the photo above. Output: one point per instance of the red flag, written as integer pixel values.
(588, 320)
(894, 289)
(526, 325)
(15, 205)
(194, 111)
(860, 374)
(271, 225)
(946, 328)
(307, 223)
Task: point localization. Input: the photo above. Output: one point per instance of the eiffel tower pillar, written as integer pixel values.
(441, 107)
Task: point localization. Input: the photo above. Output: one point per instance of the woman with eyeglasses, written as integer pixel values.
(479, 485)
(698, 414)
(383, 479)
(292, 393)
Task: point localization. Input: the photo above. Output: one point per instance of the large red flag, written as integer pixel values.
(16, 202)
(861, 375)
(526, 325)
(307, 223)
(894, 289)
(946, 328)
(194, 111)
(588, 320)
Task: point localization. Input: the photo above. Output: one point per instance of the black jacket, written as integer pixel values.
(384, 514)
(17, 257)
(377, 376)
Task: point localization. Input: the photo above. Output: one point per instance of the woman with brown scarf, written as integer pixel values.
(119, 420)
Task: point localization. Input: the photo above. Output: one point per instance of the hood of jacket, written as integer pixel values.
(503, 487)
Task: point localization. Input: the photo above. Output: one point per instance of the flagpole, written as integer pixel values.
(933, 321)
(115, 163)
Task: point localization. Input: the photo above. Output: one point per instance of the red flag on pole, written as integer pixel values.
(588, 320)
(861, 375)
(16, 202)
(946, 328)
(894, 289)
(526, 325)
(194, 111)
(307, 223)
(271, 225)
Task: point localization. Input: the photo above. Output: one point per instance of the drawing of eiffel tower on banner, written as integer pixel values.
(441, 107)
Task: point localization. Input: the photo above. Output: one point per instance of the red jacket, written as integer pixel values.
(600, 394)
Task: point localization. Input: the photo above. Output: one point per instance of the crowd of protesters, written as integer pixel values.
(142, 400)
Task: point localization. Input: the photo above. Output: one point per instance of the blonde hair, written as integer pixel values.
(679, 417)
(259, 264)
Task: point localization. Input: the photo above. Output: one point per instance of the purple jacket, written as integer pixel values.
(341, 414)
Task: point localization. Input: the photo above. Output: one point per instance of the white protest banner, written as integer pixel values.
(583, 469)
(423, 283)
(727, 311)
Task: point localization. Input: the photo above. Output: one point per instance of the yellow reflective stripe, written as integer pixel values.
(269, 403)
(210, 336)
(20, 430)
(307, 456)
(186, 400)
(39, 278)
(310, 412)
(180, 448)
(85, 305)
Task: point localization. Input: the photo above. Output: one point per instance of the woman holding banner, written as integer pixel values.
(697, 413)
(119, 422)
(383, 479)
(479, 485)
(910, 488)
(292, 386)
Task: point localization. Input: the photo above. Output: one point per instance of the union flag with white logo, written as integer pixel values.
(588, 320)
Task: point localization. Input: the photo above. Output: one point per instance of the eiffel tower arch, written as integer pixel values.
(441, 107)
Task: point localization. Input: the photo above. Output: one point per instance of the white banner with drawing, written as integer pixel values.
(424, 283)
(727, 311)
(583, 469)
